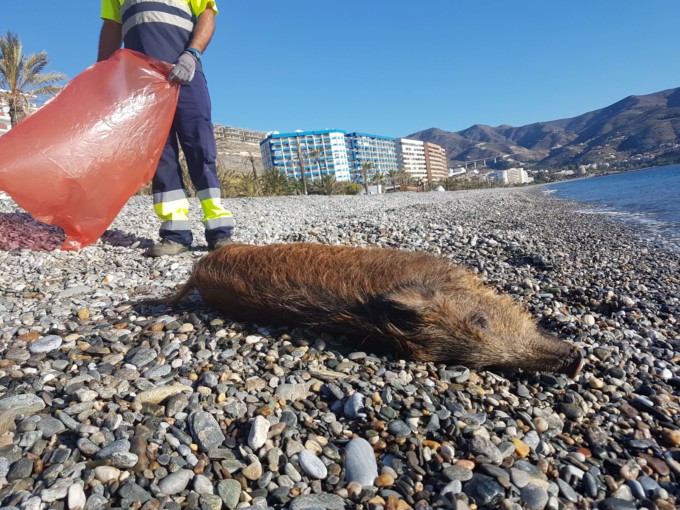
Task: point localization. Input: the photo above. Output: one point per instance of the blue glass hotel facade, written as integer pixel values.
(315, 153)
(380, 152)
(329, 152)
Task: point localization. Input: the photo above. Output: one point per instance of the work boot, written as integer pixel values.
(219, 243)
(166, 247)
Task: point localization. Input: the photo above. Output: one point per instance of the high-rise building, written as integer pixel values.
(317, 152)
(435, 162)
(378, 153)
(411, 156)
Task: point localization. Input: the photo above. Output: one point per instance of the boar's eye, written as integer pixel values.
(479, 319)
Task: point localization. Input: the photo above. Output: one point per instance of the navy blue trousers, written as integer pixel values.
(192, 131)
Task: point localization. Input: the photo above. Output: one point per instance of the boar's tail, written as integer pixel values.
(179, 296)
(172, 299)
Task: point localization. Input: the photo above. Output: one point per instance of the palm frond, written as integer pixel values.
(23, 77)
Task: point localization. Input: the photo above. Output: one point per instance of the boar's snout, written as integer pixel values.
(573, 363)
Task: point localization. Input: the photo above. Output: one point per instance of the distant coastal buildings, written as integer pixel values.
(5, 122)
(352, 156)
(314, 153)
(510, 176)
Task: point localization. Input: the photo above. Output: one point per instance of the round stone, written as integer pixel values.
(45, 344)
(534, 497)
(203, 485)
(312, 465)
(175, 482)
(106, 474)
(230, 492)
(398, 428)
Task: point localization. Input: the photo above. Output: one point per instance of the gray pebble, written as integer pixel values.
(133, 492)
(205, 430)
(230, 492)
(398, 428)
(534, 497)
(483, 447)
(353, 406)
(45, 344)
(360, 462)
(119, 446)
(484, 490)
(203, 485)
(316, 501)
(175, 482)
(312, 465)
(21, 469)
(22, 404)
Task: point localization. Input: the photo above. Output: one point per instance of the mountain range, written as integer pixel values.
(635, 131)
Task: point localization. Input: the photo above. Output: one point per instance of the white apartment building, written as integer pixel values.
(411, 156)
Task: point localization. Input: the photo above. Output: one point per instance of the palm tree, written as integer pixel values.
(365, 168)
(228, 178)
(302, 167)
(395, 175)
(250, 158)
(315, 154)
(21, 77)
(326, 185)
(378, 178)
(248, 186)
(275, 182)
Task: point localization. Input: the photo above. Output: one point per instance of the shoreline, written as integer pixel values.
(185, 407)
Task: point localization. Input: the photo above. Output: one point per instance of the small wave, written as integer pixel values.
(660, 233)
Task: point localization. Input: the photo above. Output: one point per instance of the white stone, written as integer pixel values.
(258, 432)
(106, 474)
(76, 497)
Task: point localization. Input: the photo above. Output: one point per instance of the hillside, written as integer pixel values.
(239, 149)
(633, 131)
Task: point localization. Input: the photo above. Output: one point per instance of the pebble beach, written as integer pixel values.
(109, 402)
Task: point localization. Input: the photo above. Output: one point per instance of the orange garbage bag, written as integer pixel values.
(76, 161)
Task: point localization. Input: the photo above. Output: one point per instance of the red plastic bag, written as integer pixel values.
(76, 161)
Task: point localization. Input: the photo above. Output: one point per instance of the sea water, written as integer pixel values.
(649, 197)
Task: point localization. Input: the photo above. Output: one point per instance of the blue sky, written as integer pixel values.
(394, 67)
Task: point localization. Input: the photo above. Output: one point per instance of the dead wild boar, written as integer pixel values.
(418, 305)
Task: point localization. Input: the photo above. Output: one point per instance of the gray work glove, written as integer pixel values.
(184, 69)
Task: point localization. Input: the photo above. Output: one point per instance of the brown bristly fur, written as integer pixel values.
(424, 306)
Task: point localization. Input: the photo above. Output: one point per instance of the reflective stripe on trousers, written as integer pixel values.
(172, 208)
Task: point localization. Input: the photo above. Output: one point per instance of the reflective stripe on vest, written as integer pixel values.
(159, 28)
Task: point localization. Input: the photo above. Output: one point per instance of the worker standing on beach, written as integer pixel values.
(176, 31)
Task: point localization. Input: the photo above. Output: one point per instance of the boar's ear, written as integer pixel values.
(404, 307)
(479, 319)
